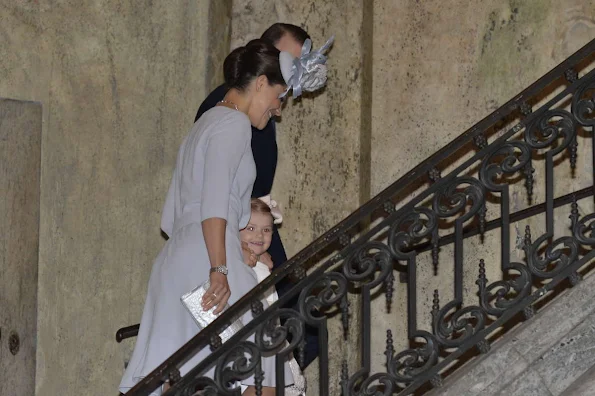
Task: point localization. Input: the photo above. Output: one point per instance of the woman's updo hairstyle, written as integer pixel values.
(244, 64)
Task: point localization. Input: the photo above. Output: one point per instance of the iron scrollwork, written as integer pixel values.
(285, 324)
(453, 325)
(239, 363)
(324, 292)
(554, 260)
(363, 385)
(547, 130)
(515, 157)
(497, 297)
(584, 230)
(410, 229)
(451, 200)
(583, 104)
(361, 267)
(412, 363)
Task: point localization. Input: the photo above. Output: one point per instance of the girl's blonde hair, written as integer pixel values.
(258, 206)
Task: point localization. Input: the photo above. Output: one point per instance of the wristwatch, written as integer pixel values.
(222, 269)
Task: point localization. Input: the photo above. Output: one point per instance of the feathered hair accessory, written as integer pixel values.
(306, 73)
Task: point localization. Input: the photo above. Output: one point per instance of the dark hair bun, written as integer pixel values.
(256, 58)
(232, 66)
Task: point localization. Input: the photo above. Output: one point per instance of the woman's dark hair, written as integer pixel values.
(258, 57)
(278, 30)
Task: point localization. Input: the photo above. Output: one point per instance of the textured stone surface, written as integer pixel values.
(570, 358)
(120, 83)
(20, 160)
(219, 30)
(528, 384)
(438, 68)
(487, 374)
(568, 312)
(584, 385)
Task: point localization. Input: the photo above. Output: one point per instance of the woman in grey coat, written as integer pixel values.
(207, 204)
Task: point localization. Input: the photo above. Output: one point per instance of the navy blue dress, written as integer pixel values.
(264, 149)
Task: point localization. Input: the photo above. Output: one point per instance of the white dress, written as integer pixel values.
(299, 386)
(213, 177)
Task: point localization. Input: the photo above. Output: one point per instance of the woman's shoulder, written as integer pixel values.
(221, 119)
(225, 115)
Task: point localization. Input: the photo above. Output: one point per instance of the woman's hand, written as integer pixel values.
(250, 258)
(218, 293)
(267, 260)
(213, 230)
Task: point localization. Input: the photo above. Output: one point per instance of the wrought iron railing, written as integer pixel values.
(516, 145)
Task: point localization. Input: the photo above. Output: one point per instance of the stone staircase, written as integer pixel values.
(552, 354)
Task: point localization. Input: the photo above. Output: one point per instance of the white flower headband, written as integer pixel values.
(306, 73)
(275, 211)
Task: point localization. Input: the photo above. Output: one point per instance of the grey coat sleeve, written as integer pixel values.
(226, 146)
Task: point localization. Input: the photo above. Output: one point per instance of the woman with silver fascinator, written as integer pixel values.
(200, 270)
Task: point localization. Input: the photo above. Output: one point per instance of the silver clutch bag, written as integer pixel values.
(193, 303)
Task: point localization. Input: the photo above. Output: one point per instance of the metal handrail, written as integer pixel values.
(342, 232)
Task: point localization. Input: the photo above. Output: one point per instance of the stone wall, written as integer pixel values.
(431, 71)
(439, 69)
(119, 83)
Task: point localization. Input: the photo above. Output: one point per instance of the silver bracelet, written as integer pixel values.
(222, 269)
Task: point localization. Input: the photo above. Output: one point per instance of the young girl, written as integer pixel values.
(257, 235)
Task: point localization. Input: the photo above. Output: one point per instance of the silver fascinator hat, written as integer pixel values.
(306, 73)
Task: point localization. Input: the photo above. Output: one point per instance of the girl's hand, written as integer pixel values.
(218, 293)
(267, 260)
(250, 258)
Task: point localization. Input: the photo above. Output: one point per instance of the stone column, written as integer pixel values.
(20, 159)
(218, 43)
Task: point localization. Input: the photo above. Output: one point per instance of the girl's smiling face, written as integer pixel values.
(258, 233)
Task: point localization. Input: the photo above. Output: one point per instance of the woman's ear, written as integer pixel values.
(261, 81)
